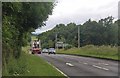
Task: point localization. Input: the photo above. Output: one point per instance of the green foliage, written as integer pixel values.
(103, 32)
(50, 43)
(88, 46)
(38, 67)
(29, 65)
(68, 47)
(16, 66)
(93, 51)
(19, 19)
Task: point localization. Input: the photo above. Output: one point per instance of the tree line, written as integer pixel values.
(102, 32)
(19, 19)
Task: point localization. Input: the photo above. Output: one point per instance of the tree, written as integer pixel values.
(19, 18)
(103, 32)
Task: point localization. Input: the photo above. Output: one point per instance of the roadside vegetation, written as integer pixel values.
(36, 66)
(30, 65)
(97, 38)
(93, 51)
(39, 67)
(98, 33)
(19, 19)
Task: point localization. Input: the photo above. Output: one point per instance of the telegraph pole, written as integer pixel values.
(78, 36)
(56, 41)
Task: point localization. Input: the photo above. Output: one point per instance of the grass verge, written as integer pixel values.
(29, 65)
(38, 67)
(107, 52)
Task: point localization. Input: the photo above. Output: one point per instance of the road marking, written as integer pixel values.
(85, 63)
(100, 67)
(58, 69)
(105, 69)
(104, 64)
(97, 66)
(69, 64)
(107, 64)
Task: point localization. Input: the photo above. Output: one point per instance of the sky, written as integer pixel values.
(79, 11)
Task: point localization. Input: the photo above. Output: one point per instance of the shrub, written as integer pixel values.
(17, 66)
(68, 47)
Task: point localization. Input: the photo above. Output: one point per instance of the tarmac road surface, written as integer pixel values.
(82, 66)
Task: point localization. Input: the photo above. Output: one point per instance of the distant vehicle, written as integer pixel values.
(45, 51)
(52, 51)
(36, 51)
(35, 48)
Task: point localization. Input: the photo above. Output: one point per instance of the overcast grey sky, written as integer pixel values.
(79, 11)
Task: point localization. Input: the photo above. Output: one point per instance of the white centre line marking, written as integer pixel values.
(104, 64)
(97, 66)
(69, 64)
(105, 69)
(100, 67)
(85, 63)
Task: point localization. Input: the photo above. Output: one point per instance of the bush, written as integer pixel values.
(16, 66)
(68, 47)
(88, 46)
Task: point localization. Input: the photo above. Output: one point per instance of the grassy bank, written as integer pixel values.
(36, 66)
(94, 51)
(29, 65)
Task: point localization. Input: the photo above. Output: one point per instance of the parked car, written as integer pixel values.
(52, 51)
(45, 51)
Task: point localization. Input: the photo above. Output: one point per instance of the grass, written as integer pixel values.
(15, 67)
(94, 51)
(29, 65)
(38, 67)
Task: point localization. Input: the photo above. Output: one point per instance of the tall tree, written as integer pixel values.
(19, 18)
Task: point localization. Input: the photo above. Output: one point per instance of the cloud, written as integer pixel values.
(79, 11)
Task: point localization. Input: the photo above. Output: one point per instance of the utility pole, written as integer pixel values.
(40, 44)
(78, 36)
(56, 41)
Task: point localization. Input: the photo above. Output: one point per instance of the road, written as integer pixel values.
(82, 66)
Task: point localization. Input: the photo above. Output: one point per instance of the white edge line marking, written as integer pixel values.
(69, 64)
(58, 69)
(100, 67)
